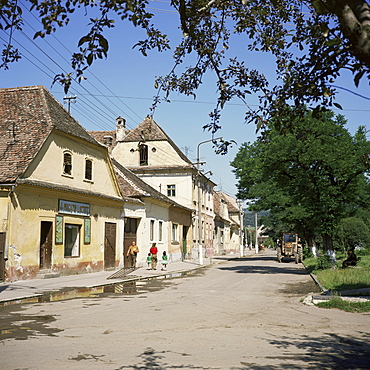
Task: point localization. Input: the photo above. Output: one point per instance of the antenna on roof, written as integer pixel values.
(69, 98)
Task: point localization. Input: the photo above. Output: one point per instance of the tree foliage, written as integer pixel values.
(309, 178)
(353, 232)
(312, 42)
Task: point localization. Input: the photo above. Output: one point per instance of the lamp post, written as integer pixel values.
(241, 229)
(200, 247)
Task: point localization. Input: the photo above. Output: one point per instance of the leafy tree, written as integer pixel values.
(309, 178)
(312, 42)
(353, 232)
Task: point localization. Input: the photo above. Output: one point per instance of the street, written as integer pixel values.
(240, 314)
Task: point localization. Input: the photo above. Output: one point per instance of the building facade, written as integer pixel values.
(148, 152)
(60, 203)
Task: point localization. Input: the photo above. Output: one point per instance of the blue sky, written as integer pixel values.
(123, 85)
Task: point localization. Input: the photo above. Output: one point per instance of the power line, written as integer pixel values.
(95, 87)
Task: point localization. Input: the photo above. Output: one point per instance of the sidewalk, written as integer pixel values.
(36, 288)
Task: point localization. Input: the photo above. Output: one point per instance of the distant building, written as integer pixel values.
(228, 224)
(160, 221)
(149, 152)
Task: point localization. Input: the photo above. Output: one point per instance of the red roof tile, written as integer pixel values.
(27, 117)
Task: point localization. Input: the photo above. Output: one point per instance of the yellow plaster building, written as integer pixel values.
(60, 202)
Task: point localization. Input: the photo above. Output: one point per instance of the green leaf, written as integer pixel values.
(333, 42)
(319, 7)
(358, 77)
(324, 29)
(83, 40)
(90, 59)
(338, 106)
(327, 93)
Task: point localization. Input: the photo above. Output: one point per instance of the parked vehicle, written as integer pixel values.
(290, 247)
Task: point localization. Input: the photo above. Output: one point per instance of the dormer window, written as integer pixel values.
(88, 169)
(143, 152)
(67, 163)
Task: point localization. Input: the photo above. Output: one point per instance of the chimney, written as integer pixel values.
(108, 142)
(120, 128)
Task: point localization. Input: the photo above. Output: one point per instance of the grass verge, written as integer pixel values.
(342, 279)
(337, 302)
(336, 279)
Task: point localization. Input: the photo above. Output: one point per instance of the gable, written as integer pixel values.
(89, 166)
(27, 116)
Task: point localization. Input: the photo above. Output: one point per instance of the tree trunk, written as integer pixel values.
(354, 19)
(327, 242)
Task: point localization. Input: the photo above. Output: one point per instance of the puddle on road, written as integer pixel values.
(135, 287)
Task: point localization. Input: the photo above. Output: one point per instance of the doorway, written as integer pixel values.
(46, 244)
(129, 237)
(2, 252)
(110, 245)
(184, 245)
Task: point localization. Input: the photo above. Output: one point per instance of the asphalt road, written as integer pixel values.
(242, 314)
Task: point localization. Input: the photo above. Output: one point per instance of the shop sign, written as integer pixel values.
(74, 208)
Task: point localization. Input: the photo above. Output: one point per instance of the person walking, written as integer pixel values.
(149, 261)
(132, 253)
(154, 252)
(164, 260)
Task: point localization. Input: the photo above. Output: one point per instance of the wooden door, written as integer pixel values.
(129, 237)
(46, 244)
(110, 245)
(2, 251)
(184, 245)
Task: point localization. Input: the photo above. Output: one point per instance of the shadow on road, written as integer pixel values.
(328, 351)
(258, 269)
(151, 359)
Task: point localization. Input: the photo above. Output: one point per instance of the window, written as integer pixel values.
(171, 190)
(175, 237)
(67, 163)
(72, 240)
(151, 230)
(88, 169)
(143, 151)
(160, 231)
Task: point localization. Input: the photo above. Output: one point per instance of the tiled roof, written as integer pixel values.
(133, 186)
(216, 203)
(102, 135)
(232, 206)
(149, 130)
(27, 117)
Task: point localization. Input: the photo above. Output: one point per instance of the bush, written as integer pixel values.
(324, 263)
(307, 253)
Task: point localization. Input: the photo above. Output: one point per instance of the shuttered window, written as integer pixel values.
(67, 163)
(143, 151)
(88, 169)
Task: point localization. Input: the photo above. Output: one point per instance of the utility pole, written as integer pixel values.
(256, 237)
(68, 99)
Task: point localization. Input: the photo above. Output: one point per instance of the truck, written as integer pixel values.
(290, 247)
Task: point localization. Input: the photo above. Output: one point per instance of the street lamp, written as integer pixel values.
(200, 247)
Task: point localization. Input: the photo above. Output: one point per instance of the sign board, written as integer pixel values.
(74, 208)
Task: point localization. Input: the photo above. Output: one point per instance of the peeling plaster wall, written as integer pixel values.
(31, 206)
